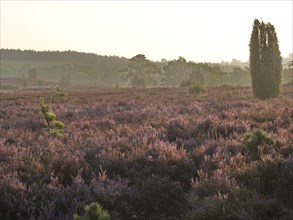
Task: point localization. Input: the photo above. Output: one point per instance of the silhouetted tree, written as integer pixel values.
(140, 72)
(265, 61)
(176, 71)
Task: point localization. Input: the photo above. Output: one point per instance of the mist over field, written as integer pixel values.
(92, 70)
(82, 132)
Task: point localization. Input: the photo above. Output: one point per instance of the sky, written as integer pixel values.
(200, 31)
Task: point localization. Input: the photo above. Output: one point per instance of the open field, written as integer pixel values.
(159, 153)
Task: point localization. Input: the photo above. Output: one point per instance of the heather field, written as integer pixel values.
(158, 153)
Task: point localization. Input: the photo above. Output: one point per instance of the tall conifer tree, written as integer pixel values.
(265, 61)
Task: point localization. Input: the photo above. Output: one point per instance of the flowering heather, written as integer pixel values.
(159, 153)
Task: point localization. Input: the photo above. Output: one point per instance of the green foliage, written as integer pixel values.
(194, 86)
(59, 94)
(265, 61)
(238, 76)
(54, 126)
(176, 71)
(93, 211)
(140, 72)
(214, 74)
(256, 142)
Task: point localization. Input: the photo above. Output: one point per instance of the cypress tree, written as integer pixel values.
(265, 61)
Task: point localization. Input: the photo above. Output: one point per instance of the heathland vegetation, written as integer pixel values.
(160, 153)
(170, 140)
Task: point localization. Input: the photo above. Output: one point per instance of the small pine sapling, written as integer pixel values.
(54, 126)
(59, 94)
(256, 142)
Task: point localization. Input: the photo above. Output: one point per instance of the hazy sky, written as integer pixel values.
(211, 31)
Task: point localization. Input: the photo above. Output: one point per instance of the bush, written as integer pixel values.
(193, 86)
(221, 197)
(159, 198)
(256, 141)
(115, 195)
(93, 211)
(176, 130)
(196, 88)
(60, 95)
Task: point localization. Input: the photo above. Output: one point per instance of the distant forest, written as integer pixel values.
(88, 69)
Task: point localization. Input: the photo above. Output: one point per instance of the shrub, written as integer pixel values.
(60, 95)
(93, 211)
(159, 198)
(194, 86)
(176, 130)
(256, 141)
(66, 169)
(115, 195)
(221, 197)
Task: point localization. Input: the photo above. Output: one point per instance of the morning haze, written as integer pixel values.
(153, 110)
(202, 31)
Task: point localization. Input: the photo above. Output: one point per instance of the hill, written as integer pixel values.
(88, 69)
(83, 68)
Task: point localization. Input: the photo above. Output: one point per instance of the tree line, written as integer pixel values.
(264, 70)
(108, 71)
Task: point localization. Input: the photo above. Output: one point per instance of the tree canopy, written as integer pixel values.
(141, 72)
(176, 71)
